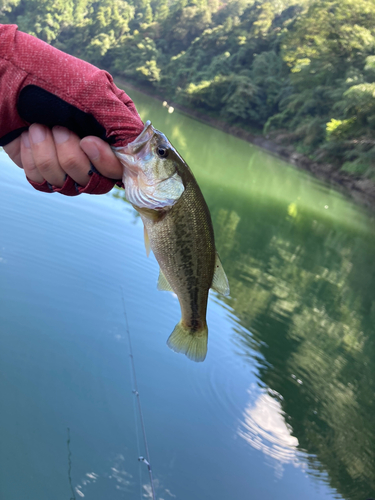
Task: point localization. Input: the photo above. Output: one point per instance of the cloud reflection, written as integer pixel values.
(265, 429)
(122, 480)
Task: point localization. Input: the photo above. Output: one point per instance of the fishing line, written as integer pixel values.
(70, 466)
(146, 460)
(137, 434)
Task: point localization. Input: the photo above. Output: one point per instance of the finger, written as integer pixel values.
(102, 157)
(13, 150)
(70, 155)
(44, 154)
(27, 159)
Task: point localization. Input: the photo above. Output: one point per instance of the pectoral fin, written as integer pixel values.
(163, 283)
(147, 241)
(220, 281)
(149, 213)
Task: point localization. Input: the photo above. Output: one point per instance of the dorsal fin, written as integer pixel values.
(163, 283)
(220, 281)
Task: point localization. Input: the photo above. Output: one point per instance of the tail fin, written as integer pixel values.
(193, 344)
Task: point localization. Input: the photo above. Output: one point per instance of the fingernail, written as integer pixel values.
(91, 150)
(37, 134)
(25, 139)
(60, 134)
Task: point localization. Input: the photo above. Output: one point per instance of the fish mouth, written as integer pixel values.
(128, 154)
(139, 142)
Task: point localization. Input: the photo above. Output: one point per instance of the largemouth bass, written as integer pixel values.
(178, 229)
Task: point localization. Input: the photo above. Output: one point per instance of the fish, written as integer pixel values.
(178, 229)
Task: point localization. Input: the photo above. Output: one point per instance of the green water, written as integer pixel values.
(283, 407)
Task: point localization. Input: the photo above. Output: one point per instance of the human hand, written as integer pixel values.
(42, 85)
(47, 155)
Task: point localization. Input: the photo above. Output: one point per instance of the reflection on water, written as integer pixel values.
(299, 260)
(305, 289)
(124, 480)
(289, 380)
(265, 429)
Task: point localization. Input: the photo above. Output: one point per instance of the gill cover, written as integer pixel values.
(150, 181)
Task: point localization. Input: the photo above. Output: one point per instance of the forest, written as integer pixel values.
(299, 72)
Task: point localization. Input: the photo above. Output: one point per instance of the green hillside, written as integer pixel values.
(301, 72)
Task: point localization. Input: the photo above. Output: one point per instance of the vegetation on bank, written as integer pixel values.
(302, 72)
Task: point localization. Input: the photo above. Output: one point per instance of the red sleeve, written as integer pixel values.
(9, 119)
(26, 60)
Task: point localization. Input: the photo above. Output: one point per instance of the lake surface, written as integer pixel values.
(283, 407)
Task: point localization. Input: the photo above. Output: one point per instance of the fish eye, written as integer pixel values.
(162, 152)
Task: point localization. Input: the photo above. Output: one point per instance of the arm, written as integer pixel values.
(40, 84)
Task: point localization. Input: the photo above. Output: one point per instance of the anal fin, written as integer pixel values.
(220, 281)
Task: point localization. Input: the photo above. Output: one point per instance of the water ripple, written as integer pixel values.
(264, 428)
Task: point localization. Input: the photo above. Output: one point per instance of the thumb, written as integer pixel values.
(102, 157)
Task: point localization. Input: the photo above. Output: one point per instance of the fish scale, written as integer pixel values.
(183, 244)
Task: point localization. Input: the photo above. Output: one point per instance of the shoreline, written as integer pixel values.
(362, 190)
